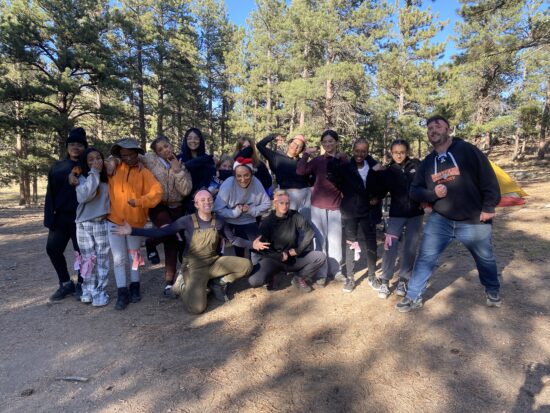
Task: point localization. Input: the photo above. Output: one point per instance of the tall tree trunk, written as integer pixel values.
(292, 116)
(544, 123)
(329, 93)
(517, 152)
(222, 122)
(179, 122)
(21, 152)
(328, 110)
(35, 186)
(401, 107)
(99, 124)
(160, 109)
(269, 98)
(141, 98)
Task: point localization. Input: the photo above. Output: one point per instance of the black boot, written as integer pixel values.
(64, 290)
(123, 299)
(134, 292)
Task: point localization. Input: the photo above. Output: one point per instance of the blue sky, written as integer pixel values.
(447, 9)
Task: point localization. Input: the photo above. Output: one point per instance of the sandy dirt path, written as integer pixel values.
(284, 351)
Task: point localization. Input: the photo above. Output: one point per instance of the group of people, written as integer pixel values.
(310, 215)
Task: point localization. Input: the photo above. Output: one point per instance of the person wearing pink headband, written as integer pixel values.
(284, 166)
(203, 266)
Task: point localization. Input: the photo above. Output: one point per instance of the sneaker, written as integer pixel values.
(178, 286)
(219, 289)
(65, 289)
(349, 285)
(100, 300)
(86, 298)
(340, 277)
(401, 289)
(301, 284)
(374, 282)
(271, 285)
(321, 282)
(167, 292)
(406, 304)
(493, 299)
(152, 254)
(384, 291)
(78, 291)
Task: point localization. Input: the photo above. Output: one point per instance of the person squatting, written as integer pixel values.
(311, 217)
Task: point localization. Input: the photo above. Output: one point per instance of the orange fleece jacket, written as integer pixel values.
(131, 183)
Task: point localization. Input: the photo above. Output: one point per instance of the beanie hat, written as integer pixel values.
(126, 143)
(77, 135)
(240, 161)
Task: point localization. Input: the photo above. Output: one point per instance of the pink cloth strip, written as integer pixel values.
(137, 259)
(388, 241)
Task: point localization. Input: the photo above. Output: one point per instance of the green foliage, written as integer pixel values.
(367, 69)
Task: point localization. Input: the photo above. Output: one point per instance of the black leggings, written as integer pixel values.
(364, 232)
(58, 238)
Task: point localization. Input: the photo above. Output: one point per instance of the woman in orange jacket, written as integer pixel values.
(132, 190)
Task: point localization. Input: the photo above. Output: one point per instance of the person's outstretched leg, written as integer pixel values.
(438, 234)
(478, 240)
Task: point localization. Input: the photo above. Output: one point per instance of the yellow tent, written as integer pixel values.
(511, 193)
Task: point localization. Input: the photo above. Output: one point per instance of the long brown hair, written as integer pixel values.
(239, 147)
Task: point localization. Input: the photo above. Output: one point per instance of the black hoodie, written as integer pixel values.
(396, 179)
(472, 185)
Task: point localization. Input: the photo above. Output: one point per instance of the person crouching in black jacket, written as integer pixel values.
(290, 236)
(360, 210)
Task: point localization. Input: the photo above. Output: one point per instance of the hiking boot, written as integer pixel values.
(219, 289)
(152, 254)
(65, 289)
(384, 291)
(374, 282)
(406, 304)
(340, 277)
(301, 284)
(123, 298)
(349, 285)
(78, 291)
(493, 299)
(401, 289)
(321, 282)
(135, 296)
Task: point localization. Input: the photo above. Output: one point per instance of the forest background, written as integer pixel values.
(371, 69)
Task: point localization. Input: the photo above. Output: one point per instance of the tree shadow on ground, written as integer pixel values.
(323, 352)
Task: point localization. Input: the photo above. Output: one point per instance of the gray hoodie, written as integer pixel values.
(231, 195)
(92, 196)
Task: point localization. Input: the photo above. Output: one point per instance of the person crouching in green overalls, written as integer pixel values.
(203, 266)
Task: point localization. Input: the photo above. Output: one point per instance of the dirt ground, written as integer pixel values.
(284, 351)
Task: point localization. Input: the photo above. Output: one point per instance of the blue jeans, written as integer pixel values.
(438, 234)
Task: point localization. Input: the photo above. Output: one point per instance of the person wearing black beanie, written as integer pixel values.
(77, 135)
(60, 211)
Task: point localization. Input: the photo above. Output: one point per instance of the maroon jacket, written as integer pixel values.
(324, 194)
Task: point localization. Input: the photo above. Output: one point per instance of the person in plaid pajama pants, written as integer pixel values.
(92, 229)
